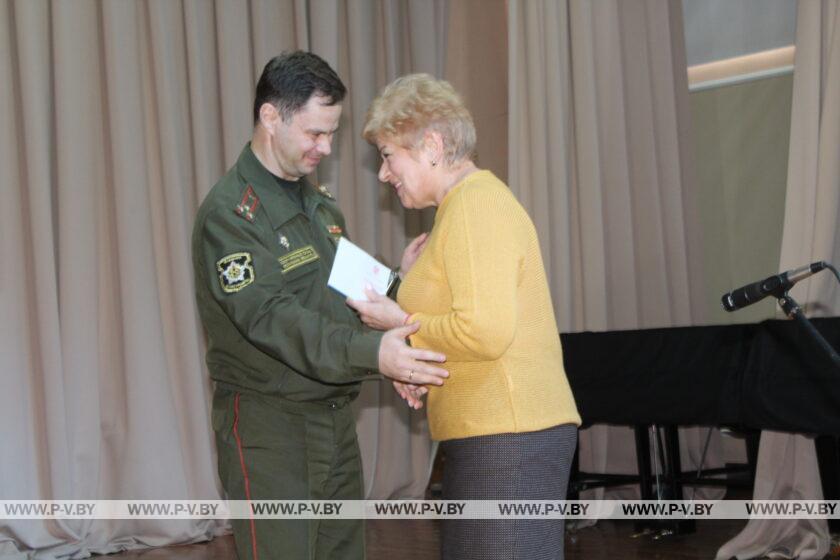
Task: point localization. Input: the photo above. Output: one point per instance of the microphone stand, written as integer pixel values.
(827, 447)
(794, 311)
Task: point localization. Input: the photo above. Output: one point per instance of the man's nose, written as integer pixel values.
(325, 145)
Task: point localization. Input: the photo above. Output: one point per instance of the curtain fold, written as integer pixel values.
(787, 463)
(407, 37)
(812, 206)
(121, 116)
(600, 156)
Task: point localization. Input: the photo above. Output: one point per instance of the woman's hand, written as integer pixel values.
(412, 252)
(411, 394)
(379, 312)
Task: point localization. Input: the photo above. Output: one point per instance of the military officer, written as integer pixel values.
(286, 354)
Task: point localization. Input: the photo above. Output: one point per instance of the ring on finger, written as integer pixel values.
(410, 374)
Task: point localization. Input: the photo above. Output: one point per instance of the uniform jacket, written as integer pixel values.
(261, 266)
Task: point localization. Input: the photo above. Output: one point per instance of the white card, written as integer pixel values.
(353, 268)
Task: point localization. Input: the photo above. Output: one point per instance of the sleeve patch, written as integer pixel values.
(236, 271)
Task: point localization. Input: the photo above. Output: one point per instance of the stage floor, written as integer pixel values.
(419, 540)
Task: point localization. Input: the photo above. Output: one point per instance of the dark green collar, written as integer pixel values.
(278, 204)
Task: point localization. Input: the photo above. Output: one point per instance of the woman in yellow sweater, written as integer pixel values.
(477, 286)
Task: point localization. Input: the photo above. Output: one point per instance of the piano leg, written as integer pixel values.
(673, 470)
(643, 462)
(645, 477)
(669, 484)
(752, 438)
(828, 459)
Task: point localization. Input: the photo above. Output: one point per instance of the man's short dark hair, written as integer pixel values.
(291, 78)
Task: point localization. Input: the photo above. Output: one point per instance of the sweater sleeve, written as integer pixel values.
(482, 257)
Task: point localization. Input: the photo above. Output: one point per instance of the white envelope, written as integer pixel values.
(353, 268)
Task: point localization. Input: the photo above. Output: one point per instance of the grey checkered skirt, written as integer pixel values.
(522, 466)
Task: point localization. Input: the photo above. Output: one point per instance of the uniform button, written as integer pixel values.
(332, 405)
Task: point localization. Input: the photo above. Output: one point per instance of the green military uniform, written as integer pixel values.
(287, 356)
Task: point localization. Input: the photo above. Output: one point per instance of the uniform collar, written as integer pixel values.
(278, 204)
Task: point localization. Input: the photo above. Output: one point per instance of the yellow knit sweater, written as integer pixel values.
(480, 293)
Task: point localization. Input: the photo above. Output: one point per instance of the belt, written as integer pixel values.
(336, 403)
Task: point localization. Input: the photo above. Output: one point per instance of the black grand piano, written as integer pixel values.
(769, 375)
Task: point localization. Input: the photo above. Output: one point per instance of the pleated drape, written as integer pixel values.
(787, 463)
(118, 118)
(600, 155)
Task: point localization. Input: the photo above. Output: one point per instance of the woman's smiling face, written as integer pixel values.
(409, 172)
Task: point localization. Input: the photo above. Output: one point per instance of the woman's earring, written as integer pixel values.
(434, 164)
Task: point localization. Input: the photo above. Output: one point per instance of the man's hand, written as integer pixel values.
(401, 362)
(379, 312)
(411, 394)
(411, 253)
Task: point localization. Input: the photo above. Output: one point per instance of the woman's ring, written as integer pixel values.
(410, 374)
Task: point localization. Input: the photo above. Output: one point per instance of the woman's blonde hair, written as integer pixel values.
(412, 105)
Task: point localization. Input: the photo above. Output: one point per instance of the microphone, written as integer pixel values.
(775, 285)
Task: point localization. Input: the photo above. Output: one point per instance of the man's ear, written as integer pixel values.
(269, 116)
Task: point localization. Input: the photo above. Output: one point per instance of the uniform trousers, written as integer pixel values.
(518, 466)
(274, 449)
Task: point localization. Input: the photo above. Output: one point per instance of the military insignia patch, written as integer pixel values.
(334, 230)
(298, 257)
(325, 191)
(284, 241)
(247, 207)
(235, 272)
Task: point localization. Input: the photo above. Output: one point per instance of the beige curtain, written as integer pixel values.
(383, 40)
(787, 466)
(118, 117)
(105, 394)
(465, 43)
(600, 157)
(477, 67)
